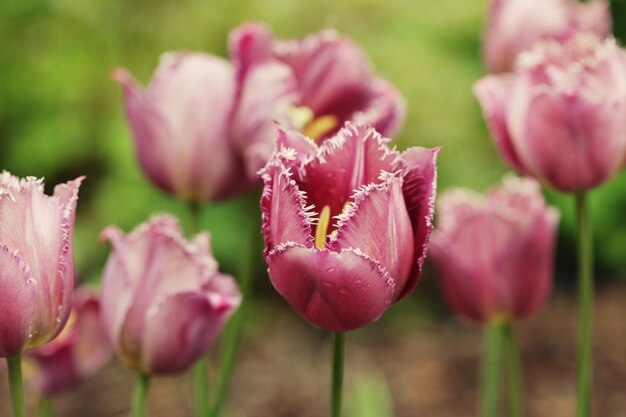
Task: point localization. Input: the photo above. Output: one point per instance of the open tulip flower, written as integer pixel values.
(561, 116)
(80, 350)
(513, 26)
(36, 261)
(163, 300)
(346, 224)
(495, 253)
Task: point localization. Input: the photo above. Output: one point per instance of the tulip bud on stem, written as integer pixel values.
(494, 337)
(16, 386)
(585, 294)
(338, 359)
(140, 394)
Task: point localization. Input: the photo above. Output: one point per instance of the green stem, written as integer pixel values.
(585, 301)
(44, 406)
(140, 394)
(234, 330)
(494, 334)
(16, 386)
(516, 408)
(201, 387)
(338, 359)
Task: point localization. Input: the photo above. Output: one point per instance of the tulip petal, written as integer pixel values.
(386, 110)
(249, 44)
(377, 217)
(91, 350)
(355, 157)
(179, 330)
(420, 189)
(334, 291)
(18, 301)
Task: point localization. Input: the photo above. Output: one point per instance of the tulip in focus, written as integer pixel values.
(561, 117)
(163, 300)
(78, 352)
(334, 84)
(346, 224)
(495, 253)
(513, 26)
(36, 261)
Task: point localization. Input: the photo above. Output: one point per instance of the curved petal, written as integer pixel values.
(191, 325)
(249, 44)
(91, 349)
(386, 109)
(419, 189)
(18, 301)
(334, 291)
(377, 222)
(56, 373)
(355, 157)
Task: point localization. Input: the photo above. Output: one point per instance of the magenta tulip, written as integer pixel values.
(513, 26)
(334, 83)
(36, 261)
(163, 300)
(561, 117)
(79, 352)
(346, 224)
(495, 253)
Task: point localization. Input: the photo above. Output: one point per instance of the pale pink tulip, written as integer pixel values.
(79, 352)
(163, 300)
(36, 261)
(346, 224)
(495, 253)
(513, 26)
(561, 117)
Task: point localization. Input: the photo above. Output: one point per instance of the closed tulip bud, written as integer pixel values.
(495, 253)
(163, 300)
(78, 352)
(561, 117)
(346, 224)
(36, 261)
(513, 26)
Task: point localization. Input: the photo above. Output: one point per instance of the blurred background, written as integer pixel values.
(61, 116)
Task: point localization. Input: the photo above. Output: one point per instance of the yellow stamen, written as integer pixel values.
(322, 228)
(301, 116)
(318, 128)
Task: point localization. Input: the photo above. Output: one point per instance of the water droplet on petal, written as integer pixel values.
(343, 291)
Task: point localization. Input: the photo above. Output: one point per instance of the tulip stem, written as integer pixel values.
(234, 330)
(44, 406)
(585, 301)
(140, 394)
(201, 386)
(16, 385)
(338, 358)
(494, 335)
(514, 373)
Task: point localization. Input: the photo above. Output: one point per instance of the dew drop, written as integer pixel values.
(343, 291)
(327, 284)
(330, 270)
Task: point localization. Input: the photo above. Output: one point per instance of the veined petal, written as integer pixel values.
(420, 189)
(190, 321)
(249, 44)
(18, 302)
(354, 157)
(334, 291)
(286, 218)
(377, 222)
(386, 109)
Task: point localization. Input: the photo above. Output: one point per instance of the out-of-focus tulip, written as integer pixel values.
(561, 117)
(495, 253)
(80, 350)
(181, 125)
(513, 26)
(334, 83)
(346, 224)
(163, 300)
(36, 261)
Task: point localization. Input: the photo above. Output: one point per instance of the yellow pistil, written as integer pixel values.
(322, 228)
(319, 127)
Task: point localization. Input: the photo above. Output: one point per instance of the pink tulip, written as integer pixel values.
(36, 261)
(78, 352)
(513, 26)
(334, 83)
(163, 300)
(346, 224)
(561, 117)
(495, 253)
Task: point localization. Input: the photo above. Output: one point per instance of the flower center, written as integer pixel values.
(314, 127)
(321, 232)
